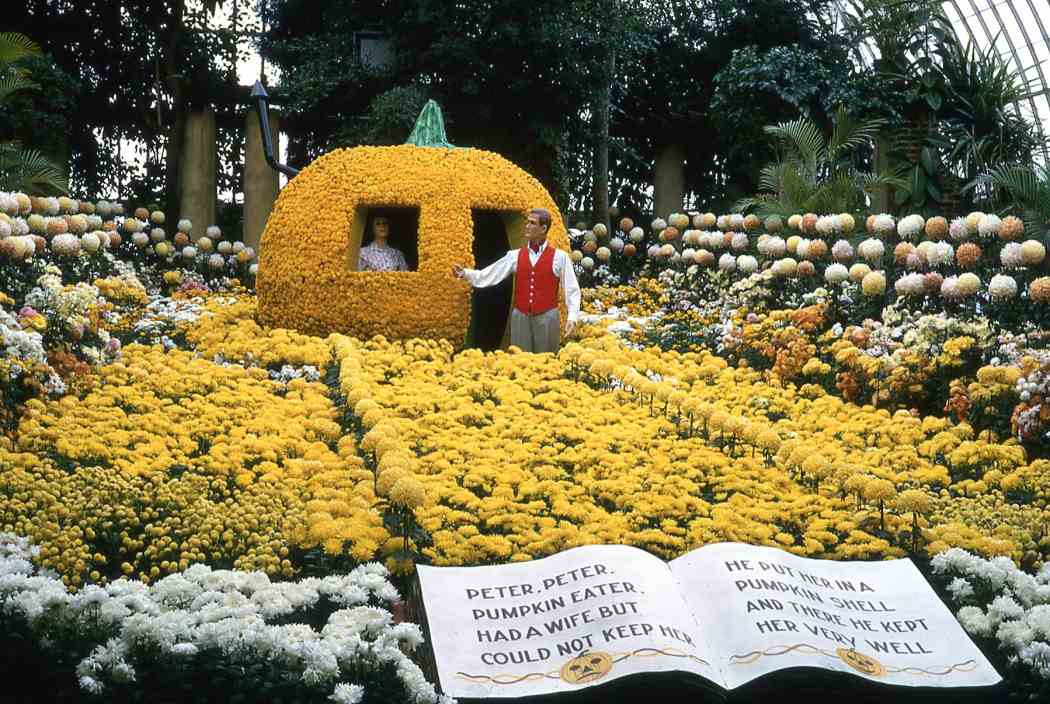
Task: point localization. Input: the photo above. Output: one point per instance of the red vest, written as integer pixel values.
(536, 287)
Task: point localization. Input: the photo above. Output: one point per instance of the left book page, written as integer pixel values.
(582, 617)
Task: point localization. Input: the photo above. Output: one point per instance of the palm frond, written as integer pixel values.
(849, 134)
(14, 81)
(802, 139)
(1021, 182)
(29, 171)
(15, 46)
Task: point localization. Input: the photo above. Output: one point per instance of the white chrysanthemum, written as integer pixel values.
(988, 226)
(884, 224)
(727, 262)
(910, 285)
(616, 244)
(5, 229)
(587, 263)
(801, 249)
(974, 620)
(746, 264)
(958, 231)
(637, 234)
(214, 232)
(776, 247)
(216, 261)
(836, 274)
(658, 224)
(189, 252)
(827, 225)
(653, 251)
(65, 245)
(184, 225)
(226, 247)
(1011, 255)
(688, 253)
(238, 246)
(157, 234)
(910, 226)
(347, 693)
(90, 242)
(950, 288)
(736, 221)
(739, 242)
(872, 250)
(1002, 287)
(940, 254)
(842, 251)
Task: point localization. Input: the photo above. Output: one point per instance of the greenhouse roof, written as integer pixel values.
(1018, 29)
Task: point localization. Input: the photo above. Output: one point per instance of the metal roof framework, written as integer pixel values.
(1018, 31)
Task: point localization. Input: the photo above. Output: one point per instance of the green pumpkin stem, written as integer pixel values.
(430, 128)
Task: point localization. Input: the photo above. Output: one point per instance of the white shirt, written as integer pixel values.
(508, 264)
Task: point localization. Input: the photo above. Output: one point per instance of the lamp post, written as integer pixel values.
(262, 107)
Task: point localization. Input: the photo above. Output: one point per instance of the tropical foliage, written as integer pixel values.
(814, 173)
(22, 169)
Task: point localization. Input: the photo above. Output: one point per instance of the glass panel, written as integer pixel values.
(1009, 26)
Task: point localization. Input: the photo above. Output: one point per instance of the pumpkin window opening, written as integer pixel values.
(404, 232)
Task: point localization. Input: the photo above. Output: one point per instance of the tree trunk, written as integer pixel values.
(176, 128)
(668, 180)
(601, 141)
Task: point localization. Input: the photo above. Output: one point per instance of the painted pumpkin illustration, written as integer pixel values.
(587, 667)
(861, 663)
(308, 278)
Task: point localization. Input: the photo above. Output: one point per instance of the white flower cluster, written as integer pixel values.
(1017, 612)
(288, 372)
(163, 317)
(21, 345)
(910, 227)
(223, 614)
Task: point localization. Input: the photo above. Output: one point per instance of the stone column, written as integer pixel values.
(260, 181)
(197, 188)
(668, 180)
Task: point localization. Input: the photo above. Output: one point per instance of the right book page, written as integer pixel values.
(764, 610)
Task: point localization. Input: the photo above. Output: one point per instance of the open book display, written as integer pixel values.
(727, 612)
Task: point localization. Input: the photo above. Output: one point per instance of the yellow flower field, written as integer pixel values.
(176, 458)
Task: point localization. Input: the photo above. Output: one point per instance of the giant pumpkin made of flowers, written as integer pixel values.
(307, 277)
